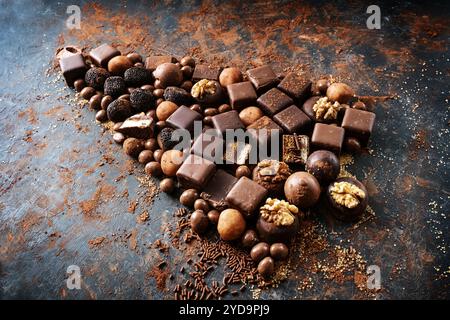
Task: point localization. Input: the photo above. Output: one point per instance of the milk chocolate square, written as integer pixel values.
(328, 137)
(358, 124)
(241, 94)
(152, 62)
(263, 78)
(246, 196)
(217, 189)
(203, 71)
(293, 120)
(101, 55)
(195, 172)
(227, 121)
(183, 118)
(296, 86)
(274, 101)
(73, 68)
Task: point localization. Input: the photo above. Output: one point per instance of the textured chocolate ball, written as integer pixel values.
(230, 76)
(250, 114)
(188, 61)
(145, 156)
(340, 92)
(171, 161)
(348, 199)
(271, 174)
(95, 77)
(153, 169)
(79, 84)
(188, 197)
(165, 110)
(323, 165)
(243, 171)
(151, 144)
(119, 64)
(302, 189)
(118, 138)
(142, 100)
(115, 86)
(164, 139)
(87, 93)
(213, 216)
(260, 251)
(250, 239)
(133, 147)
(119, 110)
(231, 225)
(167, 185)
(136, 77)
(178, 96)
(201, 204)
(101, 116)
(199, 222)
(106, 100)
(168, 74)
(279, 251)
(266, 267)
(95, 102)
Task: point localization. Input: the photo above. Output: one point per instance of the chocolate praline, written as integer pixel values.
(308, 109)
(208, 99)
(302, 189)
(323, 165)
(271, 233)
(271, 174)
(342, 212)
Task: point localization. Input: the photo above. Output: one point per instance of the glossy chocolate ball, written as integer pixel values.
(340, 92)
(134, 57)
(119, 64)
(266, 267)
(153, 169)
(188, 197)
(101, 116)
(157, 154)
(199, 222)
(230, 76)
(79, 84)
(87, 93)
(167, 185)
(106, 100)
(213, 216)
(302, 189)
(168, 74)
(201, 204)
(95, 102)
(323, 165)
(231, 225)
(145, 156)
(187, 71)
(279, 251)
(250, 239)
(322, 85)
(151, 144)
(224, 108)
(188, 61)
(243, 171)
(260, 251)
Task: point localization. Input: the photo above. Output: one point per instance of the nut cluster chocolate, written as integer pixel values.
(256, 202)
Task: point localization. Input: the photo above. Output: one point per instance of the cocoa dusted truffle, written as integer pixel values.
(119, 110)
(165, 139)
(271, 174)
(142, 100)
(324, 165)
(115, 86)
(136, 76)
(348, 198)
(302, 189)
(95, 77)
(178, 96)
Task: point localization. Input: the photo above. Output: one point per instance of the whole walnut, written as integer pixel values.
(271, 174)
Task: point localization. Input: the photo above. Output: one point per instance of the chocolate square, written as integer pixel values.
(208, 146)
(227, 120)
(295, 149)
(73, 68)
(261, 126)
(274, 101)
(263, 78)
(241, 95)
(297, 87)
(152, 62)
(246, 196)
(195, 172)
(328, 137)
(358, 124)
(293, 120)
(183, 118)
(101, 55)
(217, 189)
(140, 126)
(203, 71)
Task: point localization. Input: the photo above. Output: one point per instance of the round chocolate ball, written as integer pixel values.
(133, 147)
(266, 267)
(134, 57)
(151, 144)
(188, 61)
(302, 189)
(187, 71)
(250, 114)
(158, 93)
(347, 204)
(271, 233)
(168, 74)
(171, 161)
(188, 197)
(260, 251)
(96, 77)
(322, 85)
(115, 86)
(157, 154)
(243, 171)
(153, 169)
(165, 110)
(119, 110)
(250, 238)
(95, 102)
(106, 100)
(208, 121)
(79, 84)
(136, 77)
(119, 64)
(213, 216)
(340, 92)
(199, 222)
(352, 145)
(142, 100)
(230, 76)
(231, 225)
(145, 156)
(87, 93)
(167, 185)
(323, 165)
(101, 116)
(279, 251)
(201, 204)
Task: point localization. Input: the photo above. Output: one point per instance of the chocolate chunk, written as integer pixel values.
(241, 95)
(295, 149)
(73, 68)
(328, 137)
(293, 120)
(139, 126)
(297, 87)
(263, 78)
(152, 62)
(208, 145)
(237, 153)
(274, 101)
(263, 128)
(102, 54)
(183, 118)
(217, 189)
(195, 172)
(246, 196)
(227, 121)
(202, 71)
(358, 124)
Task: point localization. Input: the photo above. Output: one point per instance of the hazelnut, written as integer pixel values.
(171, 161)
(210, 112)
(340, 92)
(165, 109)
(230, 76)
(250, 115)
(224, 108)
(231, 225)
(119, 64)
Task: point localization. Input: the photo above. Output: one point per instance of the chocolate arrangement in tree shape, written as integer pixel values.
(258, 206)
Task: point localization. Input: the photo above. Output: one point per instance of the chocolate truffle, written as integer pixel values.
(171, 161)
(323, 165)
(178, 96)
(119, 110)
(142, 100)
(348, 199)
(164, 139)
(231, 225)
(95, 77)
(207, 92)
(168, 74)
(133, 147)
(250, 114)
(230, 76)
(271, 174)
(246, 195)
(165, 109)
(136, 77)
(114, 86)
(340, 92)
(302, 189)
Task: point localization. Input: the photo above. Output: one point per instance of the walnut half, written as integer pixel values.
(203, 87)
(346, 194)
(279, 212)
(326, 110)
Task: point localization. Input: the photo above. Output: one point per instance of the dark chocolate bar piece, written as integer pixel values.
(358, 124)
(241, 94)
(101, 55)
(293, 120)
(183, 118)
(217, 189)
(139, 126)
(295, 149)
(73, 68)
(263, 78)
(246, 196)
(274, 101)
(328, 137)
(227, 121)
(203, 71)
(297, 87)
(195, 172)
(152, 62)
